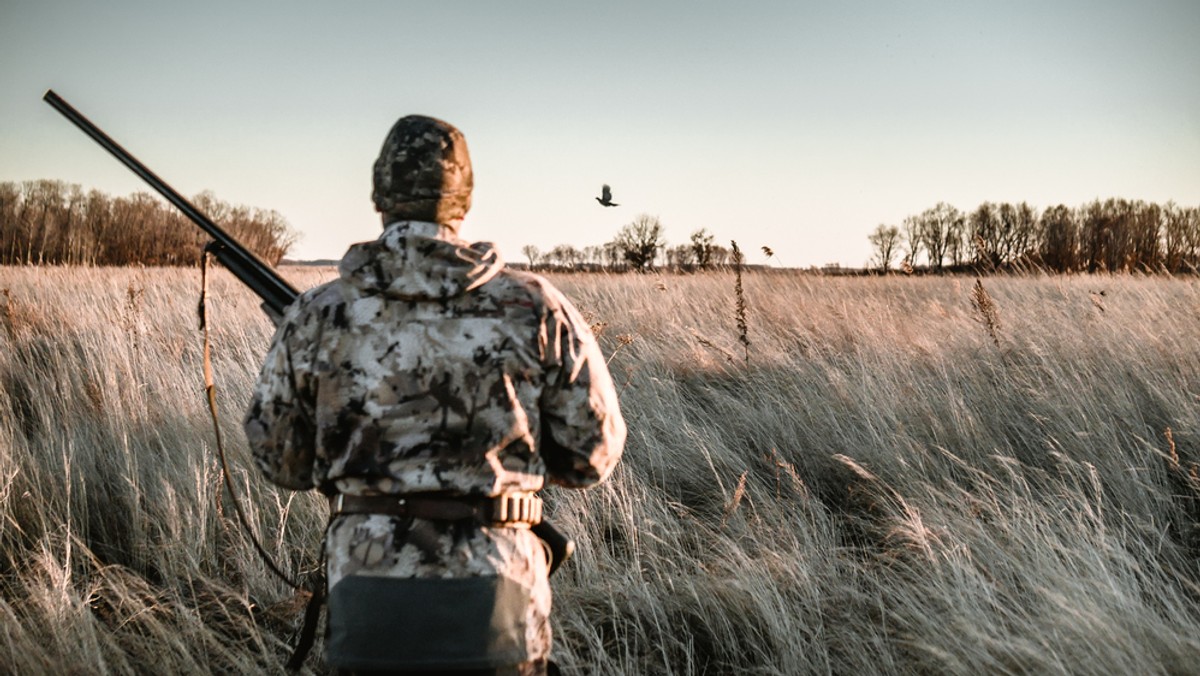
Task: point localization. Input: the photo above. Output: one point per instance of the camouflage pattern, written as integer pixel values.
(430, 367)
(423, 172)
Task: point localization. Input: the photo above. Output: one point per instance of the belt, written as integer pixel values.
(513, 510)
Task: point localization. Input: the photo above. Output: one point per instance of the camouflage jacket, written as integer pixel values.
(430, 367)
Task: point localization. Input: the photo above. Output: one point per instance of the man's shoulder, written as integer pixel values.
(509, 287)
(321, 294)
(317, 302)
(521, 284)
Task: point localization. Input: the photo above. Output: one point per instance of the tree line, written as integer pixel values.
(638, 246)
(1114, 235)
(52, 222)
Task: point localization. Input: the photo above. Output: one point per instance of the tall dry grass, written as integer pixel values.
(890, 484)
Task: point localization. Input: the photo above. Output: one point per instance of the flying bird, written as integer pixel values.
(605, 198)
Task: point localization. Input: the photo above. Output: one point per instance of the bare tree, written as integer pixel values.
(936, 230)
(53, 222)
(1181, 237)
(1191, 237)
(640, 241)
(1105, 234)
(593, 255)
(614, 256)
(703, 245)
(721, 256)
(533, 254)
(681, 256)
(984, 234)
(1111, 236)
(12, 223)
(1145, 231)
(1059, 249)
(566, 255)
(1015, 235)
(956, 241)
(885, 242)
(912, 239)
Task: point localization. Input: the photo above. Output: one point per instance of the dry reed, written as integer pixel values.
(739, 307)
(875, 493)
(989, 316)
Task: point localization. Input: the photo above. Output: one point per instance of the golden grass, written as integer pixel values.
(885, 487)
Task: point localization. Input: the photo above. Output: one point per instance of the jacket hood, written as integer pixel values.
(415, 260)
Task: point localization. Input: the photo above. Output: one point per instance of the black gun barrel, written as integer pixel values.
(248, 267)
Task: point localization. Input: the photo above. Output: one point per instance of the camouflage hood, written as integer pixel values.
(415, 260)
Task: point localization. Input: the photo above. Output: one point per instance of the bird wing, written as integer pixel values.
(606, 193)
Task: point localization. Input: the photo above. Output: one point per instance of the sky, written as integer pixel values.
(797, 125)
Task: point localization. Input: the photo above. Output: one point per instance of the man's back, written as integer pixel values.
(434, 368)
(430, 392)
(429, 372)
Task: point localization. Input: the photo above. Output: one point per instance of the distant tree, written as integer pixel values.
(703, 245)
(1008, 219)
(566, 255)
(1181, 237)
(1113, 235)
(911, 229)
(983, 235)
(1190, 226)
(56, 223)
(640, 241)
(12, 219)
(593, 255)
(1104, 231)
(614, 256)
(1174, 236)
(1025, 240)
(262, 230)
(1017, 223)
(1059, 248)
(680, 256)
(1095, 235)
(958, 246)
(937, 228)
(720, 257)
(885, 242)
(44, 200)
(1145, 236)
(533, 254)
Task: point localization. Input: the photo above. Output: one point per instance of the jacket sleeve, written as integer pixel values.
(280, 422)
(582, 431)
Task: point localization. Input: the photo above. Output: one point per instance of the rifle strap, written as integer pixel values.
(312, 613)
(317, 592)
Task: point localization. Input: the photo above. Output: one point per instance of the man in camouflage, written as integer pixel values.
(431, 391)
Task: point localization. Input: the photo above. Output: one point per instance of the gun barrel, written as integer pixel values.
(252, 270)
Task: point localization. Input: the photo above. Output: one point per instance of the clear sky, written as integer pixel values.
(797, 125)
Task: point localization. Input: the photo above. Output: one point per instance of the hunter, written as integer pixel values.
(430, 392)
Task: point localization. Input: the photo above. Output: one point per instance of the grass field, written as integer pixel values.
(896, 475)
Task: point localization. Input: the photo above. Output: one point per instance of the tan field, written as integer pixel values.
(896, 475)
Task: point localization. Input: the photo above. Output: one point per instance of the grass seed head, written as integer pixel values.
(740, 301)
(985, 308)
